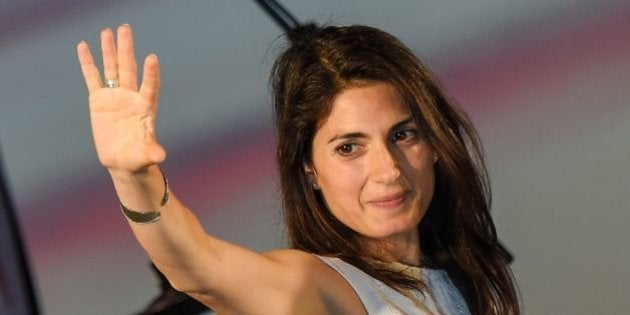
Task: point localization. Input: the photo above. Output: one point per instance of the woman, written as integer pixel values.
(383, 184)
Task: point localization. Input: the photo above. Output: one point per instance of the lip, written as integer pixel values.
(390, 200)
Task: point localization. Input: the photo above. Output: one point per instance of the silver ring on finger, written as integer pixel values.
(111, 83)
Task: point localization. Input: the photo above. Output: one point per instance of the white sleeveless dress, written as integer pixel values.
(440, 297)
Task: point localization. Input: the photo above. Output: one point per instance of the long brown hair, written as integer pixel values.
(457, 232)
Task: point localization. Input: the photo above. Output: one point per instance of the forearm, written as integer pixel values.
(176, 242)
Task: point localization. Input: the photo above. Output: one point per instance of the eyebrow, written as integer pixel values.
(358, 135)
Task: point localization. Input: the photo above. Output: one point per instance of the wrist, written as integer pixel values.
(141, 191)
(149, 216)
(134, 176)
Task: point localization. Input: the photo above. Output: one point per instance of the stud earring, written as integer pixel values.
(315, 186)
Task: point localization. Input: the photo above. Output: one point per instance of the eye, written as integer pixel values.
(405, 135)
(347, 149)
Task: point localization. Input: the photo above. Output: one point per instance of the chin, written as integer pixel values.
(393, 230)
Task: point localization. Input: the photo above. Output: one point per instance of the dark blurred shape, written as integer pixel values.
(171, 301)
(279, 14)
(17, 293)
(508, 255)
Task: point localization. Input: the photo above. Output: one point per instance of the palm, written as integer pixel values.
(122, 118)
(122, 125)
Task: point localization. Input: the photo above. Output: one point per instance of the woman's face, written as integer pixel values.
(374, 168)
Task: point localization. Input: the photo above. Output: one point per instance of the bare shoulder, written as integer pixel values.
(332, 289)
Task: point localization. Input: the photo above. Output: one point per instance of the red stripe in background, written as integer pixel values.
(225, 171)
(222, 172)
(541, 63)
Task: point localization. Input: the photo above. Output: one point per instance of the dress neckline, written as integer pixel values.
(408, 270)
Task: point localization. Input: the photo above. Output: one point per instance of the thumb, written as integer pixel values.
(156, 153)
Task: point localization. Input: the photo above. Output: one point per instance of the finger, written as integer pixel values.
(110, 64)
(155, 152)
(88, 68)
(150, 79)
(127, 69)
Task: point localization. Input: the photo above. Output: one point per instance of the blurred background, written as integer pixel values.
(547, 84)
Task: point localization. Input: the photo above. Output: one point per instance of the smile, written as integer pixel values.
(391, 201)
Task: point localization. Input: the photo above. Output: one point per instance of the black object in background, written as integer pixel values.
(279, 14)
(171, 301)
(17, 294)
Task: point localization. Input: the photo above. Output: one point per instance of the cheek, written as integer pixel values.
(341, 186)
(344, 178)
(420, 168)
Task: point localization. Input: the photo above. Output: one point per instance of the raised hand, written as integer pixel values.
(123, 117)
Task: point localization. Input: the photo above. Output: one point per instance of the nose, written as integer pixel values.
(385, 164)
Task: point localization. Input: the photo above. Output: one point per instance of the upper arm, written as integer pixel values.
(244, 282)
(277, 282)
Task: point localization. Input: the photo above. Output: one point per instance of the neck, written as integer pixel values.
(403, 248)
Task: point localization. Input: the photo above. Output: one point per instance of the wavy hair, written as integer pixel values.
(457, 232)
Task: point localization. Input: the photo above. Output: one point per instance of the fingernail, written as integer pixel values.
(125, 25)
(105, 30)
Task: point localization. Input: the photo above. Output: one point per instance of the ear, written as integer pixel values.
(311, 175)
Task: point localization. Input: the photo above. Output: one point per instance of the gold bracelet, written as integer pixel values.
(146, 217)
